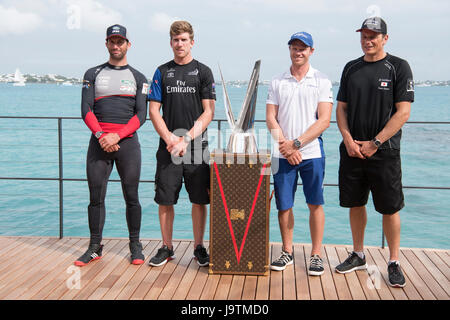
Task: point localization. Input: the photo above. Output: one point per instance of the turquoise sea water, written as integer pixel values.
(29, 149)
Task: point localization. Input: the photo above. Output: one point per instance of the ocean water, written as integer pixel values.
(29, 149)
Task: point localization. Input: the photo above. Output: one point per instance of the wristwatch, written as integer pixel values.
(376, 142)
(98, 134)
(297, 143)
(187, 138)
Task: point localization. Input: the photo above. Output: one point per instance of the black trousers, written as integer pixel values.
(99, 165)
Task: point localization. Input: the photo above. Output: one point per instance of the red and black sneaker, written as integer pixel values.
(94, 252)
(136, 252)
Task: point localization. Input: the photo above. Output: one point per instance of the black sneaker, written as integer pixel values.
(93, 252)
(352, 263)
(315, 266)
(396, 278)
(136, 252)
(282, 262)
(201, 256)
(163, 255)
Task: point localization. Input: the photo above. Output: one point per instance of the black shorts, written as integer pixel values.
(381, 174)
(169, 179)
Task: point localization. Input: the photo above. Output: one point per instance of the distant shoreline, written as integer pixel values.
(63, 80)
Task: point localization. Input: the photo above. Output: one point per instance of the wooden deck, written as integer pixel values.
(42, 268)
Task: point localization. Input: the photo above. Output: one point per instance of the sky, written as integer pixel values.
(68, 36)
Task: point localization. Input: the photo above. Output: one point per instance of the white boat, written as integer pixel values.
(67, 83)
(19, 80)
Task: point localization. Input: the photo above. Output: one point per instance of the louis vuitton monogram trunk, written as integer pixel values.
(239, 213)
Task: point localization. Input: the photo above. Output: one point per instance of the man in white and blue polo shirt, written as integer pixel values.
(299, 106)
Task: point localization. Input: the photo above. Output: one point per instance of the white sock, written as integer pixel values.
(392, 261)
(360, 254)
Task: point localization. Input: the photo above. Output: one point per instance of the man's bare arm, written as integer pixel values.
(159, 124)
(315, 130)
(394, 124)
(200, 125)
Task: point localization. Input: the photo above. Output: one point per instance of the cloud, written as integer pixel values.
(247, 24)
(90, 15)
(333, 30)
(161, 22)
(16, 22)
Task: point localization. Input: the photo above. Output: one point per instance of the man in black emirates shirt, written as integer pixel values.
(374, 101)
(184, 89)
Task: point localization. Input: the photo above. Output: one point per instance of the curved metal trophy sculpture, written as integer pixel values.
(242, 139)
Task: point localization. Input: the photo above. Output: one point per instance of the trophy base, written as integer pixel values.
(239, 213)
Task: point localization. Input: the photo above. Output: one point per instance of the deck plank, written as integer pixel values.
(17, 277)
(301, 278)
(128, 273)
(276, 277)
(381, 257)
(445, 257)
(195, 291)
(57, 290)
(186, 282)
(150, 278)
(24, 252)
(61, 265)
(149, 251)
(94, 273)
(177, 275)
(378, 283)
(4, 241)
(210, 287)
(352, 279)
(289, 290)
(223, 287)
(425, 275)
(412, 291)
(340, 282)
(250, 286)
(367, 278)
(104, 279)
(167, 271)
(114, 277)
(437, 261)
(315, 283)
(62, 277)
(263, 285)
(329, 290)
(8, 246)
(237, 287)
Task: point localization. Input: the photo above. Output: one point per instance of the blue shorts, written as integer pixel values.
(312, 172)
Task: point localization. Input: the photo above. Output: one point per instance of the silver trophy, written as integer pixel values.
(242, 139)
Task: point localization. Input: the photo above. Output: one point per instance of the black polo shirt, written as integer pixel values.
(371, 90)
(180, 89)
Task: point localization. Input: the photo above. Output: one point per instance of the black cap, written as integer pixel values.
(375, 24)
(117, 30)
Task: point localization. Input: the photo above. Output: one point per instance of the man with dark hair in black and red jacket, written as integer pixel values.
(114, 106)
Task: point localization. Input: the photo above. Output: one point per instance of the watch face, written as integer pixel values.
(297, 144)
(377, 142)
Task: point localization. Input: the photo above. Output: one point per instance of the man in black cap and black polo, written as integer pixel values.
(374, 101)
(114, 107)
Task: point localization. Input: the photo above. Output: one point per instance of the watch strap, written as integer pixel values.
(187, 138)
(98, 134)
(376, 142)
